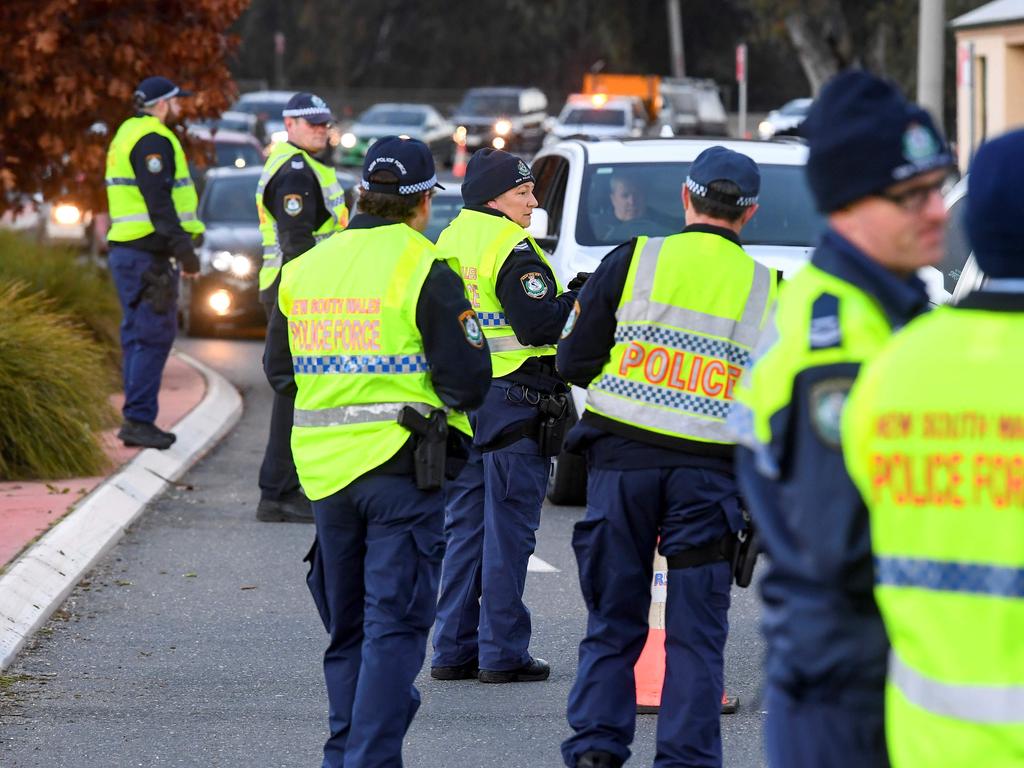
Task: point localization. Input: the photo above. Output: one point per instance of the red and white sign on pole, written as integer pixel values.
(741, 78)
(964, 70)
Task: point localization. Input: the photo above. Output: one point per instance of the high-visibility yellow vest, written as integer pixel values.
(793, 342)
(481, 243)
(933, 436)
(129, 217)
(334, 202)
(691, 310)
(356, 351)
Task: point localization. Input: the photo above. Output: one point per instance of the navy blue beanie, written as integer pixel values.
(995, 206)
(863, 137)
(491, 172)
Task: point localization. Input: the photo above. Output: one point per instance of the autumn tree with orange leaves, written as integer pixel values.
(67, 66)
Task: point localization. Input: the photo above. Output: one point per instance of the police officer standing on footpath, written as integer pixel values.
(876, 166)
(300, 203)
(933, 435)
(659, 336)
(493, 507)
(153, 226)
(375, 340)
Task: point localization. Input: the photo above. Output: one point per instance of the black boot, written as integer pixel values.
(597, 759)
(467, 671)
(533, 671)
(144, 434)
(290, 509)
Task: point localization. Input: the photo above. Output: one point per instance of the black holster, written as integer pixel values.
(158, 289)
(744, 556)
(555, 420)
(430, 438)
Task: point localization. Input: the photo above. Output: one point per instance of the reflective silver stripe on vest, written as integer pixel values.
(121, 182)
(182, 183)
(132, 217)
(322, 236)
(640, 308)
(274, 262)
(992, 704)
(355, 414)
(511, 344)
(188, 217)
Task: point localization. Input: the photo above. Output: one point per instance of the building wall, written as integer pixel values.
(998, 75)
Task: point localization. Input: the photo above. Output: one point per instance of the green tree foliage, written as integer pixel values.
(69, 64)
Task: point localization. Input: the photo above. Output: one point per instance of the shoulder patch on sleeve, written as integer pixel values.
(293, 204)
(298, 163)
(534, 285)
(154, 163)
(826, 402)
(570, 321)
(471, 329)
(522, 245)
(825, 330)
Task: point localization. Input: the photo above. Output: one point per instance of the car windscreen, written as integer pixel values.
(236, 155)
(408, 117)
(957, 247)
(269, 109)
(489, 104)
(443, 208)
(795, 108)
(621, 201)
(230, 199)
(612, 117)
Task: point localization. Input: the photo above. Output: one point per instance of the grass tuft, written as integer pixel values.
(55, 380)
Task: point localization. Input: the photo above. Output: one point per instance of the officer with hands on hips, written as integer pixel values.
(300, 203)
(153, 229)
(876, 166)
(932, 437)
(659, 336)
(493, 507)
(377, 343)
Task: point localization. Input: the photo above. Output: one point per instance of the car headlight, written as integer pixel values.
(66, 214)
(765, 129)
(241, 266)
(502, 127)
(221, 260)
(459, 137)
(498, 142)
(278, 136)
(348, 140)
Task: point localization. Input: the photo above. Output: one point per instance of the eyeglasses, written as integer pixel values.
(915, 199)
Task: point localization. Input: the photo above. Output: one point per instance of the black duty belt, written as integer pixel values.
(717, 551)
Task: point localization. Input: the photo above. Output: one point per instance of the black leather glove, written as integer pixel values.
(577, 282)
(187, 260)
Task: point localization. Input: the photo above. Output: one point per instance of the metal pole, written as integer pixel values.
(675, 37)
(931, 37)
(741, 78)
(972, 99)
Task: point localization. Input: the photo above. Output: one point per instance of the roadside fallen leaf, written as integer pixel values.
(190, 575)
(249, 587)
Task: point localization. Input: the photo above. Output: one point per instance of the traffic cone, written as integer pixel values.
(461, 158)
(650, 667)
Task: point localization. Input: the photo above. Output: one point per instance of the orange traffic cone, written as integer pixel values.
(650, 667)
(461, 158)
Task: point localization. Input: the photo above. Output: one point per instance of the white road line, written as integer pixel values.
(536, 565)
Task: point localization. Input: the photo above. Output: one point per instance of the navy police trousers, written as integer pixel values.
(146, 335)
(278, 478)
(627, 511)
(491, 520)
(374, 571)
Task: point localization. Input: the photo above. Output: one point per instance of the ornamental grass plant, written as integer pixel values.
(55, 382)
(81, 290)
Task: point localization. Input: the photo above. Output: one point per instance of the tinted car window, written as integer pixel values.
(648, 202)
(614, 117)
(443, 208)
(392, 117)
(230, 199)
(489, 104)
(957, 247)
(237, 155)
(271, 109)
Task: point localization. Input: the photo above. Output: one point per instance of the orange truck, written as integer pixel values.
(646, 87)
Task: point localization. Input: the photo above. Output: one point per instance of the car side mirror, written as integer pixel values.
(539, 222)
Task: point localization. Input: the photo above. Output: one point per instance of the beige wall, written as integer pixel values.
(999, 52)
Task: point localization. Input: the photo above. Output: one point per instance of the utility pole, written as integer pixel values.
(675, 37)
(931, 37)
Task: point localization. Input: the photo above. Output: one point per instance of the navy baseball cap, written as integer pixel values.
(408, 159)
(721, 164)
(864, 136)
(154, 89)
(995, 206)
(491, 172)
(309, 107)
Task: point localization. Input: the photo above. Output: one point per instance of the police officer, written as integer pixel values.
(300, 203)
(875, 167)
(493, 507)
(659, 336)
(933, 435)
(152, 203)
(373, 326)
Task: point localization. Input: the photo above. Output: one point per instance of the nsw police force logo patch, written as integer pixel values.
(293, 204)
(534, 285)
(471, 328)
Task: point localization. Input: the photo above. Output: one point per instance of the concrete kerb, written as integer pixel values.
(36, 584)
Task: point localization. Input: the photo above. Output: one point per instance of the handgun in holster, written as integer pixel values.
(431, 443)
(555, 420)
(744, 554)
(157, 290)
